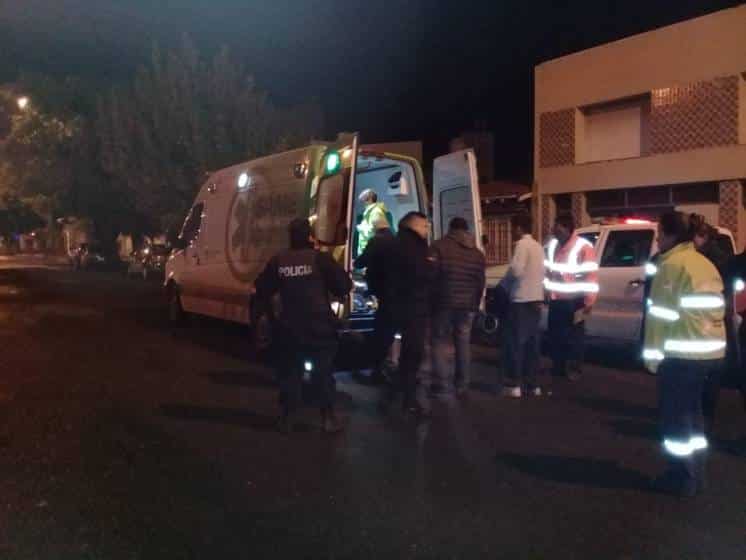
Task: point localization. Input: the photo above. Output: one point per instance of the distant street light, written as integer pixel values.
(23, 103)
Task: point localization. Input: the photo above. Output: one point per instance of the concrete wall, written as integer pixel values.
(698, 49)
(693, 52)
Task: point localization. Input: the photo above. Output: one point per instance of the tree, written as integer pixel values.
(183, 117)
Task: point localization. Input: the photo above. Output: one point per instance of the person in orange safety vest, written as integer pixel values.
(571, 283)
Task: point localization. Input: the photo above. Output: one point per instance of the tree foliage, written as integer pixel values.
(183, 117)
(133, 157)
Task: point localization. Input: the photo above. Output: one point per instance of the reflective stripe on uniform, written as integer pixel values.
(571, 287)
(680, 448)
(702, 301)
(664, 313)
(652, 354)
(693, 346)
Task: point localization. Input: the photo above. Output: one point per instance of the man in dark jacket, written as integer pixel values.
(371, 259)
(304, 278)
(405, 308)
(457, 293)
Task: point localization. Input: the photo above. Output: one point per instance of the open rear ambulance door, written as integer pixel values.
(456, 193)
(335, 202)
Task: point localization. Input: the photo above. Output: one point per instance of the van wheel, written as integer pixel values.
(176, 314)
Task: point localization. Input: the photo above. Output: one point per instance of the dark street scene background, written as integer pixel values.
(123, 435)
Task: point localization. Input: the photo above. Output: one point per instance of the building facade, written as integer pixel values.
(646, 124)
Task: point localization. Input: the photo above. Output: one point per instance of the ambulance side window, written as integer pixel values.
(192, 224)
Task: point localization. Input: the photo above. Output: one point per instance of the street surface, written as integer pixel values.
(123, 438)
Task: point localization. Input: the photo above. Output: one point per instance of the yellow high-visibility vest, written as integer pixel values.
(685, 310)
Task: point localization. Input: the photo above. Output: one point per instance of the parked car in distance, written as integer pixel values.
(148, 261)
(88, 256)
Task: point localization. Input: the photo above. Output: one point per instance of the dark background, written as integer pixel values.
(394, 70)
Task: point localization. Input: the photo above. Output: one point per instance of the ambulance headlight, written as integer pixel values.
(244, 180)
(307, 366)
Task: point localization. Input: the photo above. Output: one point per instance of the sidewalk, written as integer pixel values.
(34, 260)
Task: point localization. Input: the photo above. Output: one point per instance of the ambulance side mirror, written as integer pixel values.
(331, 211)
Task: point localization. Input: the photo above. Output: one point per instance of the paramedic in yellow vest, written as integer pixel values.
(571, 283)
(684, 343)
(374, 212)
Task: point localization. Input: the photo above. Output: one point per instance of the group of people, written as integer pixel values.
(431, 292)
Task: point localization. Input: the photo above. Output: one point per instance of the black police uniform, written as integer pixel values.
(306, 331)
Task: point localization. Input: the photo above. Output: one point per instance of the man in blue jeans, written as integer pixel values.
(524, 284)
(458, 287)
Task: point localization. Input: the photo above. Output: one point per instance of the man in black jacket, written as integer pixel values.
(373, 256)
(373, 260)
(307, 329)
(457, 294)
(405, 308)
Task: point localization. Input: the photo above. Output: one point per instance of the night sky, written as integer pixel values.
(394, 70)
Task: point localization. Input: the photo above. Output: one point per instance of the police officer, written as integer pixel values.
(306, 329)
(684, 343)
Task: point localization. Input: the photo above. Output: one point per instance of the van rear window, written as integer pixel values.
(627, 248)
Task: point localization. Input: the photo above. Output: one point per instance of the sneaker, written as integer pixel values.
(512, 392)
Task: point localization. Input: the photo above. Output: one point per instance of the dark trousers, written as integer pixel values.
(521, 343)
(711, 396)
(293, 361)
(680, 388)
(384, 331)
(566, 338)
(413, 332)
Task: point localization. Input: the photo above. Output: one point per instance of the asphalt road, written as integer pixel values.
(120, 438)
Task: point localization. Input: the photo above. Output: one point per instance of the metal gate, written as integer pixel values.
(498, 248)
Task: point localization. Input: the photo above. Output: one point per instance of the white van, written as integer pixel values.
(239, 219)
(622, 250)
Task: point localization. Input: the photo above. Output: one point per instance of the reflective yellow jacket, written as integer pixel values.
(685, 309)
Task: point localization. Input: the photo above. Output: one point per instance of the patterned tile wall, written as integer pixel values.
(731, 205)
(557, 134)
(698, 115)
(548, 211)
(579, 210)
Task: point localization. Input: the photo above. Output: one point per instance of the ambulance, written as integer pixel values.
(240, 216)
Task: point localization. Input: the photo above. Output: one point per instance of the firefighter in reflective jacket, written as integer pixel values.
(306, 332)
(571, 283)
(684, 343)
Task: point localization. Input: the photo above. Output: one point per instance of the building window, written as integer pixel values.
(696, 193)
(613, 130)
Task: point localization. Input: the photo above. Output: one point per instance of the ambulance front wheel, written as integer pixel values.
(176, 315)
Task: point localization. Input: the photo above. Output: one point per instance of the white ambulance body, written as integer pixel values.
(239, 219)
